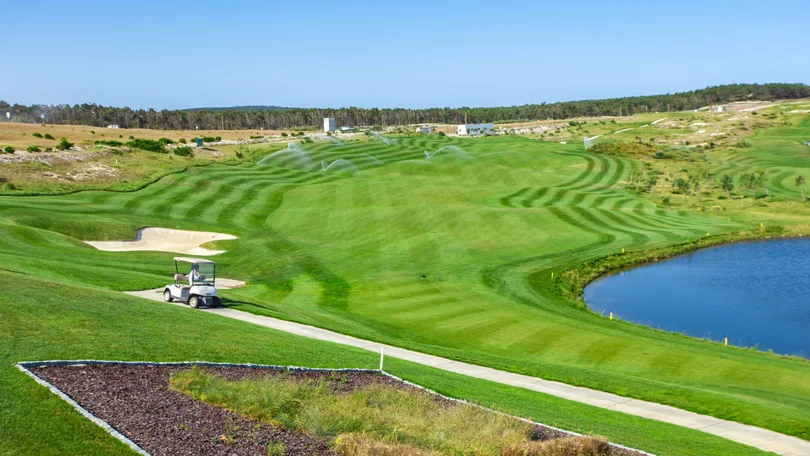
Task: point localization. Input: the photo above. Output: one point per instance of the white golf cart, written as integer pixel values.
(197, 287)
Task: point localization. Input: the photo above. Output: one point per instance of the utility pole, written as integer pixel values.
(222, 116)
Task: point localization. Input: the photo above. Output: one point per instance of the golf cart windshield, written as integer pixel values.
(206, 275)
(205, 270)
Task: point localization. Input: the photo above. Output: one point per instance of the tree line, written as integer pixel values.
(276, 118)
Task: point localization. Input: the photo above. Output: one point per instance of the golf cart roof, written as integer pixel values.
(193, 260)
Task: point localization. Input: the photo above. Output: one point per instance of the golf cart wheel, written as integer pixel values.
(194, 302)
(167, 296)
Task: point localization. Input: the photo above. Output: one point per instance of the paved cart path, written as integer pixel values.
(748, 435)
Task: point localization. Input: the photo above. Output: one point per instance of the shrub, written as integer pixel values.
(64, 144)
(48, 136)
(441, 133)
(276, 449)
(37, 135)
(8, 150)
(93, 132)
(283, 134)
(165, 141)
(182, 140)
(184, 151)
(32, 149)
(218, 138)
(111, 143)
(131, 137)
(208, 139)
(48, 149)
(147, 144)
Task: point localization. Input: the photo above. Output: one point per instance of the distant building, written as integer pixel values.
(347, 129)
(425, 129)
(112, 126)
(328, 124)
(721, 108)
(475, 129)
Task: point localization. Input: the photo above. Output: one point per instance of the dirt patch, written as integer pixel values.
(136, 400)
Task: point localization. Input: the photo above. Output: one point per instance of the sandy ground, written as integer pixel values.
(166, 240)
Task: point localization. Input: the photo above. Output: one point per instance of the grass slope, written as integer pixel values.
(486, 220)
(41, 319)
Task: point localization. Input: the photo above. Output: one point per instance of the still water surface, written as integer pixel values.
(751, 292)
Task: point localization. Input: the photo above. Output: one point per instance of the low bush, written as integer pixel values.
(48, 136)
(64, 144)
(182, 140)
(36, 135)
(165, 141)
(111, 143)
(8, 150)
(32, 148)
(208, 139)
(283, 134)
(218, 138)
(184, 151)
(147, 144)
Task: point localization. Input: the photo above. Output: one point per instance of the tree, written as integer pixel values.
(694, 182)
(748, 181)
(709, 178)
(727, 184)
(682, 186)
(762, 181)
(800, 182)
(652, 180)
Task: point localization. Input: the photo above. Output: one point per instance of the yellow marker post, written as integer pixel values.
(552, 275)
(707, 234)
(622, 249)
(611, 315)
(725, 341)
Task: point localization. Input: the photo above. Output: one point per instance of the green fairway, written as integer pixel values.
(486, 221)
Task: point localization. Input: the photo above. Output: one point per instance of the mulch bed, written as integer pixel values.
(136, 400)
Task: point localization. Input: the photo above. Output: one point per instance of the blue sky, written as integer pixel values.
(176, 54)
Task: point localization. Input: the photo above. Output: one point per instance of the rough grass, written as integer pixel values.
(376, 419)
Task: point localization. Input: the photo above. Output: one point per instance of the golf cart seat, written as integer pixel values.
(180, 278)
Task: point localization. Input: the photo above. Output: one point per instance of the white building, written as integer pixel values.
(347, 129)
(424, 129)
(112, 126)
(475, 129)
(328, 124)
(722, 108)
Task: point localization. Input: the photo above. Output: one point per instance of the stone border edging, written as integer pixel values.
(24, 365)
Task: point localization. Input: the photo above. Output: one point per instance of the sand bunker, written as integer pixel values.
(166, 240)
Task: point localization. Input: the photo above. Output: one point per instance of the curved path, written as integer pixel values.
(748, 435)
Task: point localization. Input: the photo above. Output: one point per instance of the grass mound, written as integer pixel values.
(376, 419)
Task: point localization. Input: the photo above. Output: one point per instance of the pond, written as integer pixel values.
(754, 293)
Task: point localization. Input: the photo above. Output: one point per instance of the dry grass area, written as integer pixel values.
(20, 135)
(378, 418)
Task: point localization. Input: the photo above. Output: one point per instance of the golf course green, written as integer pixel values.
(447, 246)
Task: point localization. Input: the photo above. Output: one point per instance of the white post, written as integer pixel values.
(382, 357)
